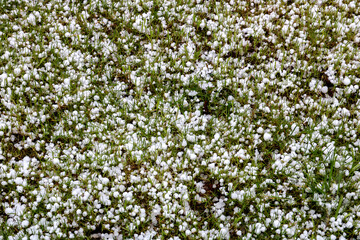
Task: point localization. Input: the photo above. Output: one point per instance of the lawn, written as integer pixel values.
(179, 119)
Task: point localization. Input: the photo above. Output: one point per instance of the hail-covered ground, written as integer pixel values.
(179, 119)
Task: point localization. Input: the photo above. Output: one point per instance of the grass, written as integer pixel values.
(179, 120)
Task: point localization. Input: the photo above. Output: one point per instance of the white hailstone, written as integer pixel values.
(346, 81)
(191, 137)
(17, 71)
(31, 19)
(105, 181)
(324, 89)
(3, 78)
(155, 212)
(9, 211)
(67, 82)
(312, 84)
(129, 146)
(216, 136)
(6, 55)
(19, 209)
(184, 143)
(25, 223)
(192, 156)
(86, 196)
(220, 204)
(337, 164)
(47, 66)
(16, 27)
(55, 161)
(76, 191)
(18, 181)
(224, 233)
(349, 224)
(122, 188)
(276, 223)
(336, 123)
(26, 76)
(267, 136)
(197, 149)
(260, 130)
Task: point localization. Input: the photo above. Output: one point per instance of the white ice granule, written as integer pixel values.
(105, 181)
(197, 149)
(224, 233)
(18, 181)
(130, 127)
(191, 138)
(276, 223)
(122, 188)
(26, 76)
(128, 196)
(192, 93)
(192, 156)
(116, 194)
(260, 130)
(17, 71)
(294, 129)
(67, 82)
(9, 211)
(25, 223)
(346, 81)
(220, 204)
(324, 89)
(19, 209)
(31, 19)
(155, 212)
(3, 78)
(55, 161)
(76, 191)
(217, 136)
(267, 136)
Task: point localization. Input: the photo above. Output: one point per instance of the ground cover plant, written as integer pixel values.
(179, 119)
